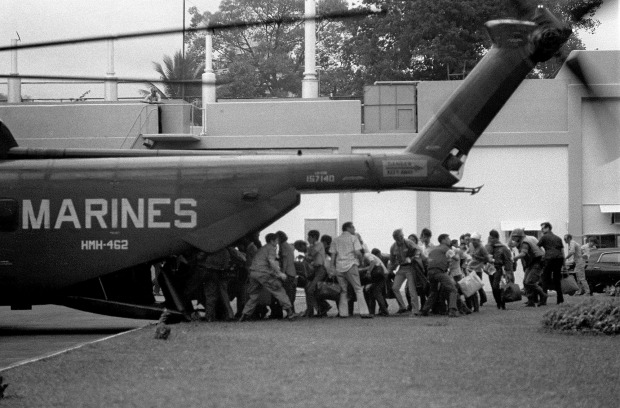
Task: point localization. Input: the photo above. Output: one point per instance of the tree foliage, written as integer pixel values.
(415, 40)
(263, 60)
(177, 68)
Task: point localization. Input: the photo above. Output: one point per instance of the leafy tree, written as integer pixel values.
(416, 40)
(265, 60)
(426, 40)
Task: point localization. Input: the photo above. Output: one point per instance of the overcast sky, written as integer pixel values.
(38, 20)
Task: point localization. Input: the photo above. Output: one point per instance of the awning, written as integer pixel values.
(610, 208)
(527, 225)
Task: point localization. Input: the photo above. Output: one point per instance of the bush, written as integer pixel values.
(592, 316)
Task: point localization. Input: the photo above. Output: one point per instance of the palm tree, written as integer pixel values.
(175, 69)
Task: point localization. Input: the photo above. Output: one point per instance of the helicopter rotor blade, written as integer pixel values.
(102, 78)
(210, 27)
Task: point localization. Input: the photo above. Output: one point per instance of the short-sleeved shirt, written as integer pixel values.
(439, 258)
(586, 249)
(345, 246)
(553, 245)
(574, 253)
(316, 254)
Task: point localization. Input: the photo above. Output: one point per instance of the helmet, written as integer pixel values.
(477, 236)
(517, 232)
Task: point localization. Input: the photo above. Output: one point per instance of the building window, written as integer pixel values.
(605, 240)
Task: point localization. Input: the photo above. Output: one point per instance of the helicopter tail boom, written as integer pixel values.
(7, 141)
(451, 133)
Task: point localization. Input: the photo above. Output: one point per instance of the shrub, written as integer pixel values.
(593, 316)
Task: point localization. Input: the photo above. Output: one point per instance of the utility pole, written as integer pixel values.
(310, 84)
(183, 55)
(208, 79)
(14, 84)
(111, 84)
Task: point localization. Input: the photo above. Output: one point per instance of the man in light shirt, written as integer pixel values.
(347, 256)
(576, 263)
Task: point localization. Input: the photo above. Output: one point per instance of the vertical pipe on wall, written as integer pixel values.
(310, 84)
(14, 84)
(208, 79)
(111, 83)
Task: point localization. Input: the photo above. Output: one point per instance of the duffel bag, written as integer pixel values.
(511, 293)
(328, 291)
(569, 285)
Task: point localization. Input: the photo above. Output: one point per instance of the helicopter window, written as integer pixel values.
(9, 215)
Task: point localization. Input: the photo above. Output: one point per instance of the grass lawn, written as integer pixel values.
(490, 359)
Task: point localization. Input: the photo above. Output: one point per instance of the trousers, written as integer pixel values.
(531, 282)
(580, 276)
(290, 287)
(440, 283)
(312, 303)
(351, 276)
(405, 272)
(495, 279)
(552, 277)
(260, 280)
(216, 289)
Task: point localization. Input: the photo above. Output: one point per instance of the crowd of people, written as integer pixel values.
(263, 279)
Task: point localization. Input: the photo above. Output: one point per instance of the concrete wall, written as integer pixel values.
(537, 106)
(390, 107)
(99, 125)
(284, 117)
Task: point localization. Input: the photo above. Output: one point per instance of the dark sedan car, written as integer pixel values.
(603, 268)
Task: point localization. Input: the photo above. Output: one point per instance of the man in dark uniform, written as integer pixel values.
(438, 263)
(554, 260)
(215, 284)
(502, 260)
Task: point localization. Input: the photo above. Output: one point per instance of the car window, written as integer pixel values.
(613, 257)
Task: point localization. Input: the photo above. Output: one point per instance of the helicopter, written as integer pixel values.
(92, 222)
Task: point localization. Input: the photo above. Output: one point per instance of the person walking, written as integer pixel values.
(502, 260)
(532, 257)
(375, 274)
(287, 264)
(347, 256)
(265, 273)
(575, 262)
(553, 260)
(438, 263)
(403, 254)
(316, 257)
(479, 259)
